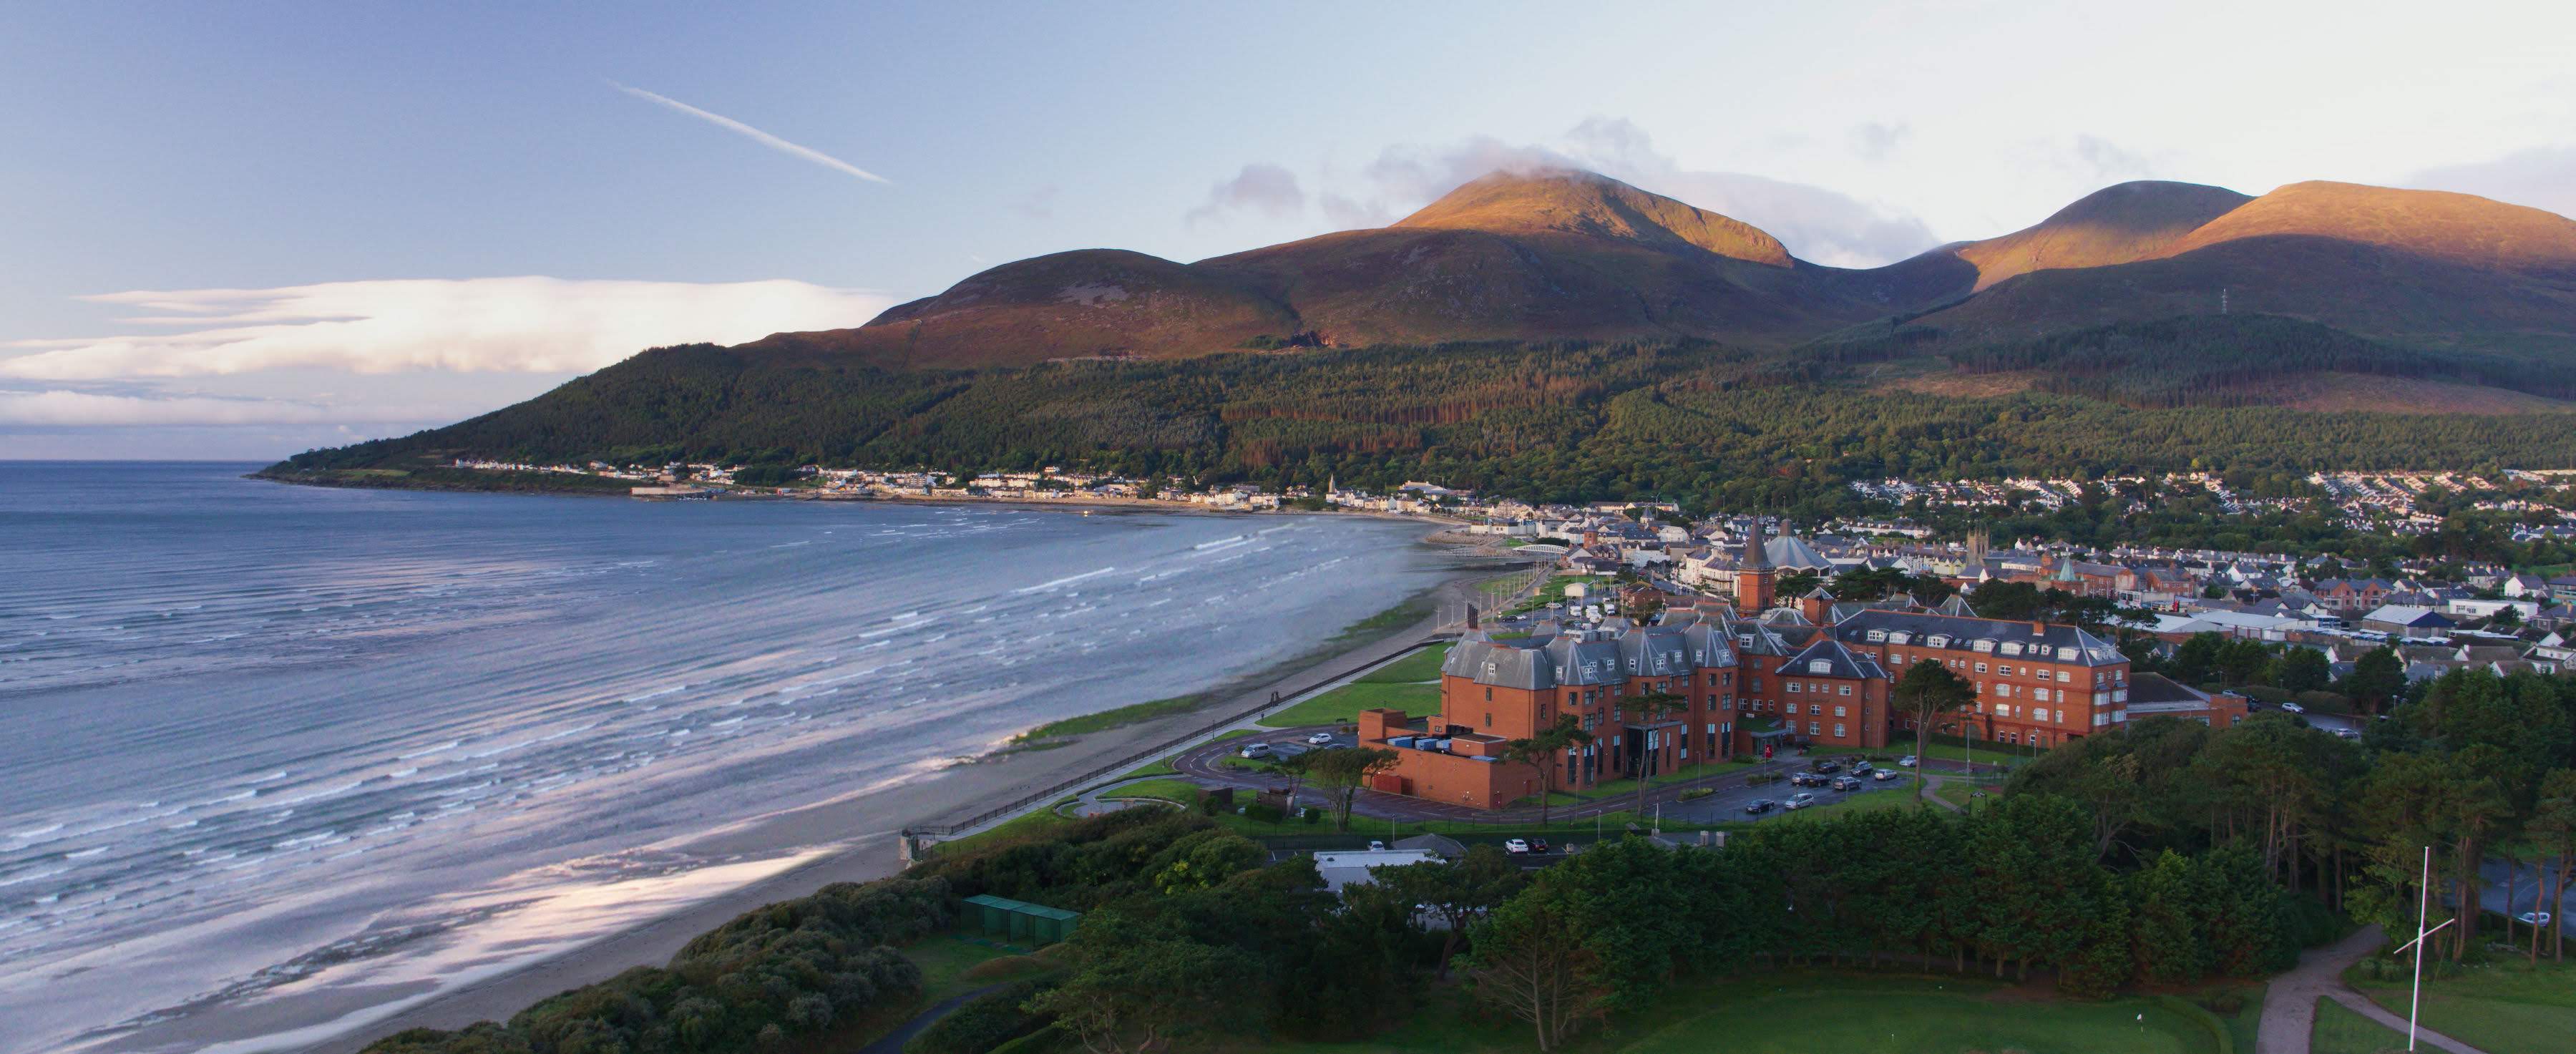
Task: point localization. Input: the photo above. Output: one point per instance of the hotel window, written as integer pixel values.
(2064, 677)
(1489, 695)
(1846, 689)
(1838, 712)
(1815, 728)
(1838, 731)
(1793, 685)
(1981, 667)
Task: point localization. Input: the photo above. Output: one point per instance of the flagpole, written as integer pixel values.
(2423, 906)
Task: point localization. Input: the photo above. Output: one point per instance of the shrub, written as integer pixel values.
(986, 1022)
(1261, 813)
(1696, 793)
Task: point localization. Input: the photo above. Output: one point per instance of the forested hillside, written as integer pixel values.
(1555, 422)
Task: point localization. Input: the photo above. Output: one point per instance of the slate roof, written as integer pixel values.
(1838, 661)
(2049, 642)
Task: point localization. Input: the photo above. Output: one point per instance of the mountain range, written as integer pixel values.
(1566, 336)
(1568, 255)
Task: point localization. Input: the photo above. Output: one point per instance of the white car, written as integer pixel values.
(1255, 751)
(2293, 708)
(1515, 846)
(1320, 739)
(1884, 775)
(1800, 801)
(2533, 918)
(1907, 761)
(1376, 845)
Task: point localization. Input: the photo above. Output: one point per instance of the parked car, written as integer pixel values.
(1846, 783)
(1320, 738)
(1375, 844)
(1538, 845)
(1758, 806)
(1905, 762)
(1515, 846)
(1863, 769)
(1827, 766)
(1806, 779)
(1800, 800)
(1255, 751)
(2533, 918)
(2293, 708)
(1884, 775)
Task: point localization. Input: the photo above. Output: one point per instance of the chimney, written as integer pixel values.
(1471, 616)
(2038, 627)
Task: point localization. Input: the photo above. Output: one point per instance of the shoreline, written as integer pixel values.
(1084, 502)
(857, 834)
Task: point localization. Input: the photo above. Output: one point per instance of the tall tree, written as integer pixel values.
(1530, 961)
(1647, 710)
(1342, 771)
(1928, 690)
(1546, 751)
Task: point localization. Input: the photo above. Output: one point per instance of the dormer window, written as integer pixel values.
(2012, 648)
(1899, 637)
(1938, 640)
(1985, 646)
(1820, 666)
(1877, 636)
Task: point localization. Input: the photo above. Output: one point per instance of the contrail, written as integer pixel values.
(756, 135)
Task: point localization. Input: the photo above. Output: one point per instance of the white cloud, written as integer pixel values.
(509, 325)
(2542, 177)
(1267, 189)
(754, 134)
(60, 408)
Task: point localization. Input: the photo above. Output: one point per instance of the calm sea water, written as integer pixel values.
(250, 731)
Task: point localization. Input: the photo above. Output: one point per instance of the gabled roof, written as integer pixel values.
(1794, 554)
(1826, 657)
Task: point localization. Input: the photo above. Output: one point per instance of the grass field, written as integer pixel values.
(1105, 720)
(1803, 1012)
(2342, 1030)
(2508, 1007)
(1420, 666)
(1346, 702)
(1554, 591)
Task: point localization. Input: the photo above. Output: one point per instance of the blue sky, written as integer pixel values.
(363, 178)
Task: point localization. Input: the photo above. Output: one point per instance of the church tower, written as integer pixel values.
(1753, 574)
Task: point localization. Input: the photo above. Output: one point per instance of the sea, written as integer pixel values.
(253, 736)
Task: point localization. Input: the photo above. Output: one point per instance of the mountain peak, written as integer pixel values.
(1552, 202)
(2117, 224)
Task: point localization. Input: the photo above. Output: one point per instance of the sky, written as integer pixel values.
(242, 231)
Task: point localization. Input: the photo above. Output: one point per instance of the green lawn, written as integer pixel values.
(1182, 792)
(1957, 792)
(1132, 713)
(1893, 794)
(1034, 823)
(2507, 1007)
(1346, 702)
(1420, 666)
(2342, 1030)
(1802, 1012)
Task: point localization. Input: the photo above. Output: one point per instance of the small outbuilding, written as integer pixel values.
(1020, 922)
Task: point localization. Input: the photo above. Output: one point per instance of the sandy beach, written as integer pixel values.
(851, 839)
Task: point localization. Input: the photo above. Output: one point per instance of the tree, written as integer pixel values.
(1460, 892)
(1647, 710)
(1133, 993)
(1530, 961)
(1929, 689)
(1343, 771)
(2196, 659)
(2377, 678)
(2012, 601)
(2241, 661)
(2553, 830)
(2300, 669)
(1543, 752)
